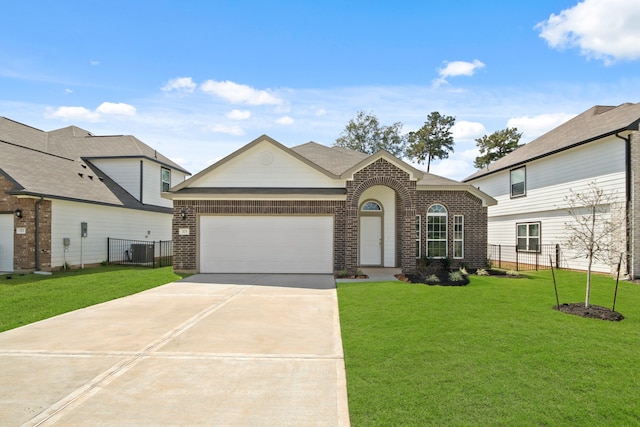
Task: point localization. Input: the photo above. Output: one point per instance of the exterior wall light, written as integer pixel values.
(183, 215)
(18, 213)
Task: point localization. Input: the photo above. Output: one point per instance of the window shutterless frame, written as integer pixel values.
(528, 236)
(518, 182)
(165, 178)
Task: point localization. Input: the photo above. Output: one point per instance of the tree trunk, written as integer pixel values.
(590, 255)
(588, 295)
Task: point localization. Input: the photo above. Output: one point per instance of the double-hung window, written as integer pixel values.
(528, 236)
(518, 182)
(165, 178)
(458, 236)
(437, 231)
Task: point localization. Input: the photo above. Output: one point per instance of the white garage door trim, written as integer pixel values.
(265, 244)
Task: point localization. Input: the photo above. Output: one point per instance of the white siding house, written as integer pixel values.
(531, 185)
(52, 182)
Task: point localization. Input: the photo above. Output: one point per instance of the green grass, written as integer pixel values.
(493, 353)
(28, 298)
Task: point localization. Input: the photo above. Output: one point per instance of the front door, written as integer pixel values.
(370, 240)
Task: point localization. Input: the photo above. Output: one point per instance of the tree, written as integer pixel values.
(497, 145)
(365, 134)
(432, 141)
(594, 231)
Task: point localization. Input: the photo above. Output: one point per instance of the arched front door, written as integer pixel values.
(371, 242)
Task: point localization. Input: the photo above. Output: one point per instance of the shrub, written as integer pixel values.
(482, 272)
(456, 276)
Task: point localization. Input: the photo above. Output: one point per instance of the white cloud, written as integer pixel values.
(180, 84)
(67, 90)
(73, 114)
(229, 130)
(285, 120)
(463, 130)
(239, 93)
(320, 111)
(94, 62)
(535, 126)
(83, 114)
(457, 68)
(119, 108)
(239, 114)
(603, 29)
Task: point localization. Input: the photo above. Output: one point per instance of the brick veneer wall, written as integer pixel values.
(409, 203)
(185, 247)
(24, 245)
(475, 224)
(381, 172)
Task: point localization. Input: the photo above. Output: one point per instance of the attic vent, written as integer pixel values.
(84, 166)
(101, 178)
(81, 175)
(90, 177)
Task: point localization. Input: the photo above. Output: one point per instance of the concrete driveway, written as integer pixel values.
(214, 350)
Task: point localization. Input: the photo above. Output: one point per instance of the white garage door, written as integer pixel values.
(266, 244)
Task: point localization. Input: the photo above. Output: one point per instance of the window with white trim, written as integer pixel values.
(418, 234)
(518, 182)
(528, 237)
(437, 231)
(165, 178)
(458, 236)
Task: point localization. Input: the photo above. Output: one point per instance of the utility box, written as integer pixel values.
(142, 252)
(83, 229)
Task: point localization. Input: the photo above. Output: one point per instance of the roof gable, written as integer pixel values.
(414, 174)
(264, 162)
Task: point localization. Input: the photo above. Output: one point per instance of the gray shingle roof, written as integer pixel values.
(57, 164)
(595, 123)
(334, 159)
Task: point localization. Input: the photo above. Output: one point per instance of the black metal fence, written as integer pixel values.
(140, 252)
(509, 258)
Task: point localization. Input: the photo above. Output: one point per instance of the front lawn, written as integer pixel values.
(491, 353)
(28, 298)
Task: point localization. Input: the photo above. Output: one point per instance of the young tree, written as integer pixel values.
(365, 134)
(497, 145)
(594, 231)
(433, 140)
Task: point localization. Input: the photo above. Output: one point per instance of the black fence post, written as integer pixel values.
(108, 250)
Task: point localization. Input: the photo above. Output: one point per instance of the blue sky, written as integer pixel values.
(199, 79)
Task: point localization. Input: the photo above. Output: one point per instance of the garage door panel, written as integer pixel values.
(266, 244)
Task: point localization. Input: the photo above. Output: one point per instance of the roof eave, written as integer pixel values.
(628, 128)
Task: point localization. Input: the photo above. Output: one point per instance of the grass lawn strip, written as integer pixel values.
(28, 298)
(491, 353)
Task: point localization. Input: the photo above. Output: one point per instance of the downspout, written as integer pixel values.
(141, 178)
(37, 239)
(627, 190)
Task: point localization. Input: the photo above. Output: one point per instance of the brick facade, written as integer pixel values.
(475, 224)
(409, 203)
(24, 245)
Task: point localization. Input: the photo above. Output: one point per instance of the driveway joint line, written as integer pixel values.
(86, 391)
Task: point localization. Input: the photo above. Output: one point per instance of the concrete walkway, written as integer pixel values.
(214, 350)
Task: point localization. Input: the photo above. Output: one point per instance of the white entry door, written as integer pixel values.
(6, 242)
(370, 240)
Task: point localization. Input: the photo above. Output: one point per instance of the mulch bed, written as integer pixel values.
(593, 311)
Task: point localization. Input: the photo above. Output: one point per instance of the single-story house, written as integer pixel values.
(601, 146)
(64, 192)
(318, 209)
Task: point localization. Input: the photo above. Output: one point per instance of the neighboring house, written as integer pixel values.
(315, 209)
(601, 145)
(51, 182)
